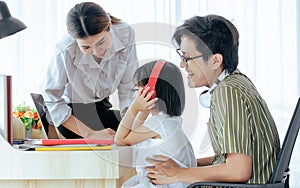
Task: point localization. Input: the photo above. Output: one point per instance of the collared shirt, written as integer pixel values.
(240, 122)
(75, 77)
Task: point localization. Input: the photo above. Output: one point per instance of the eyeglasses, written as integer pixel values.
(187, 59)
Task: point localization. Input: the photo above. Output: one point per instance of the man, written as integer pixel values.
(243, 133)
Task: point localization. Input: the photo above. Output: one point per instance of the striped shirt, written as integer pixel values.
(240, 122)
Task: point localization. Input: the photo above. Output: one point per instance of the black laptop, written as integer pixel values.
(42, 110)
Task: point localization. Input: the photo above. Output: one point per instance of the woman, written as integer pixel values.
(97, 57)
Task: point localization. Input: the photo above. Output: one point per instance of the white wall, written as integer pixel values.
(268, 50)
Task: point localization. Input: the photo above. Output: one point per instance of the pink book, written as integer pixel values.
(52, 142)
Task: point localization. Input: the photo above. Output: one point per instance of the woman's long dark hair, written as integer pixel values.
(87, 19)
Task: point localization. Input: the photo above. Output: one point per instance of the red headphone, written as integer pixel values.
(153, 77)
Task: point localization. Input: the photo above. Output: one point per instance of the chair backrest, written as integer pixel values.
(285, 154)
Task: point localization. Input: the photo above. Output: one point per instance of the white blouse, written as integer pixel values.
(172, 143)
(75, 77)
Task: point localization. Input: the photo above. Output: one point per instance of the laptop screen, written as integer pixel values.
(41, 108)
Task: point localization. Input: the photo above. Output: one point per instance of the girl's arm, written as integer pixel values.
(126, 133)
(140, 119)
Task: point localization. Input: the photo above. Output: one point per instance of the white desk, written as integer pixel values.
(63, 169)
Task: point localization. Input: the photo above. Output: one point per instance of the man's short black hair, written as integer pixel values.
(212, 34)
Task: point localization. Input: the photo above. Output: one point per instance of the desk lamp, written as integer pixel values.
(8, 24)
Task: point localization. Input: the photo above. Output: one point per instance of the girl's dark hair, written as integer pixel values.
(212, 34)
(169, 86)
(87, 19)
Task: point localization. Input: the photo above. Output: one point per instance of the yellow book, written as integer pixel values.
(79, 148)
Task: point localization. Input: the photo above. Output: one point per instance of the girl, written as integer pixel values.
(153, 126)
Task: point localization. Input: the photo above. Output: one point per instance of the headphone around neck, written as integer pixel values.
(205, 96)
(153, 77)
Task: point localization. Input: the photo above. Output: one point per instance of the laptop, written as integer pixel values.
(42, 111)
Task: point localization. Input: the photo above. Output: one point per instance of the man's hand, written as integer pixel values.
(164, 171)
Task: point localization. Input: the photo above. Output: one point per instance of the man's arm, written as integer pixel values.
(206, 161)
(238, 168)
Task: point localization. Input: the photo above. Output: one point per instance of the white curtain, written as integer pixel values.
(268, 49)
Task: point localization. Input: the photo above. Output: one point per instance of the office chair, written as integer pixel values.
(280, 175)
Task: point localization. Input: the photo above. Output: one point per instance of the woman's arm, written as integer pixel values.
(78, 127)
(127, 37)
(53, 87)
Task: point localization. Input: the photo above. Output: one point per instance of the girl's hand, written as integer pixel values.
(141, 101)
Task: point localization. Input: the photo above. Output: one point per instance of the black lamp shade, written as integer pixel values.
(8, 24)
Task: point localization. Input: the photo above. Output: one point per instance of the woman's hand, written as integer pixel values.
(105, 133)
(165, 170)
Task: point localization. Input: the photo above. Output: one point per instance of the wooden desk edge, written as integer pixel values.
(29, 165)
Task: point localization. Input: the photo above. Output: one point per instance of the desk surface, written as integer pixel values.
(64, 167)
